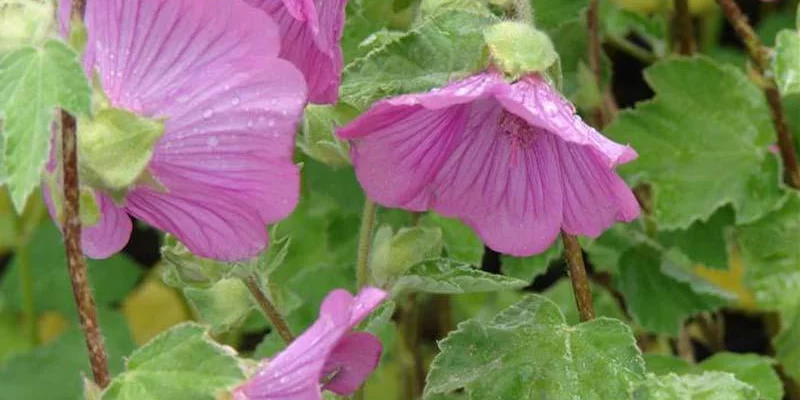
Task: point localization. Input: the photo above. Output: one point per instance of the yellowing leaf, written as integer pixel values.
(153, 308)
(731, 279)
(50, 326)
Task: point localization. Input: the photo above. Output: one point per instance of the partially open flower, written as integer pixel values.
(310, 34)
(327, 356)
(512, 160)
(222, 167)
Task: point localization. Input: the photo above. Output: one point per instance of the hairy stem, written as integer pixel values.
(87, 312)
(577, 275)
(599, 113)
(760, 56)
(269, 309)
(365, 242)
(684, 29)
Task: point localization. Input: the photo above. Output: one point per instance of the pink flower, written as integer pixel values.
(224, 164)
(310, 34)
(327, 356)
(511, 160)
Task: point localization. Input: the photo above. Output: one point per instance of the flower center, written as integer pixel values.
(518, 130)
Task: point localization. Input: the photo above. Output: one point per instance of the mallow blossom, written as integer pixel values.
(512, 160)
(327, 356)
(223, 168)
(311, 31)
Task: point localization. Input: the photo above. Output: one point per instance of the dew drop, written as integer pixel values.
(235, 100)
(213, 141)
(271, 123)
(250, 123)
(208, 113)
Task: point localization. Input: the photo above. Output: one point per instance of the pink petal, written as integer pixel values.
(296, 372)
(208, 68)
(352, 360)
(512, 161)
(64, 17)
(105, 238)
(310, 36)
(149, 51)
(413, 135)
(595, 197)
(541, 105)
(109, 235)
(509, 194)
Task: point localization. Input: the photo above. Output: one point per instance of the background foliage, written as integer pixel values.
(699, 299)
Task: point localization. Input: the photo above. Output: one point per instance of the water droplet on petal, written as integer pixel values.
(235, 100)
(271, 123)
(213, 141)
(250, 123)
(208, 113)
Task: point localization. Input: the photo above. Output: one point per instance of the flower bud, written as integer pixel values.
(519, 49)
(115, 147)
(24, 22)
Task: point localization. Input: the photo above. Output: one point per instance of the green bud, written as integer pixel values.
(394, 254)
(318, 140)
(519, 49)
(115, 148)
(25, 22)
(186, 269)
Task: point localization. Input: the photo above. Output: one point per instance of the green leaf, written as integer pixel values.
(786, 348)
(518, 49)
(528, 268)
(394, 255)
(657, 301)
(111, 279)
(224, 305)
(528, 350)
(181, 363)
(771, 257)
(549, 14)
(662, 364)
(786, 63)
(34, 81)
(752, 369)
(460, 241)
(445, 276)
(55, 370)
(318, 139)
(444, 46)
(708, 386)
(604, 303)
(364, 18)
(116, 146)
(704, 242)
(693, 176)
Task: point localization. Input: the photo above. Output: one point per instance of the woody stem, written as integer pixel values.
(600, 115)
(81, 290)
(760, 56)
(87, 312)
(577, 275)
(684, 27)
(270, 311)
